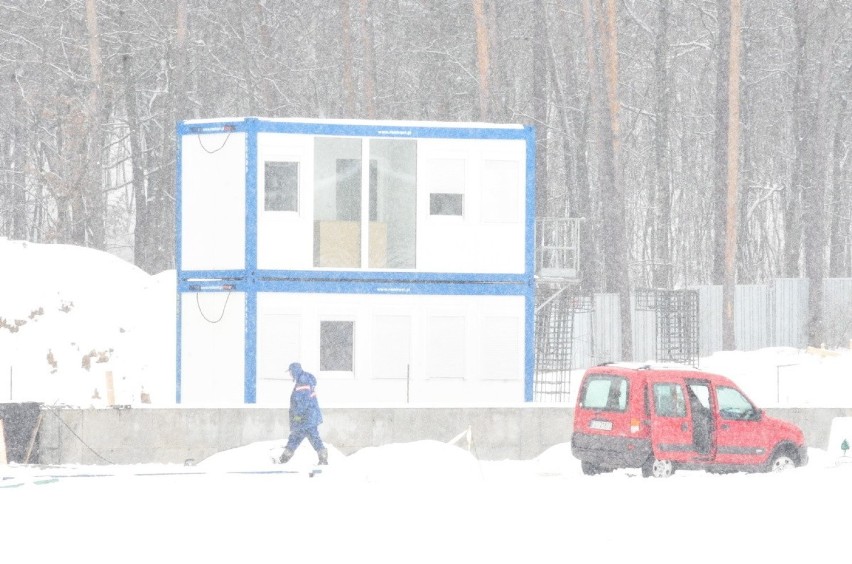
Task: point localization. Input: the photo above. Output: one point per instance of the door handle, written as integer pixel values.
(684, 426)
(724, 425)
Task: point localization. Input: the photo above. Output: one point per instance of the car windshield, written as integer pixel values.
(605, 392)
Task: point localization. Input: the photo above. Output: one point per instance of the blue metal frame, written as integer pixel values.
(251, 280)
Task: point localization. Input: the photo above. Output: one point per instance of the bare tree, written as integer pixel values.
(631, 106)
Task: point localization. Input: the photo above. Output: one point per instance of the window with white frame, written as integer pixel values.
(337, 346)
(281, 186)
(445, 347)
(501, 191)
(446, 187)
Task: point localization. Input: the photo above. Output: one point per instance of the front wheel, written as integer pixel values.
(657, 468)
(781, 462)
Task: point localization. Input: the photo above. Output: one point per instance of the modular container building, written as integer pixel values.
(394, 260)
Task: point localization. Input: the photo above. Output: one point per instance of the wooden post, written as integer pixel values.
(110, 388)
(33, 438)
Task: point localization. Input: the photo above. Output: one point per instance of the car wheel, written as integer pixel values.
(590, 469)
(657, 468)
(780, 462)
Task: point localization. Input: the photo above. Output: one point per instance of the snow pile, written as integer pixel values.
(77, 324)
(262, 455)
(424, 461)
(786, 376)
(556, 461)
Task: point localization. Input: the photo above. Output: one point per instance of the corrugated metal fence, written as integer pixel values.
(766, 315)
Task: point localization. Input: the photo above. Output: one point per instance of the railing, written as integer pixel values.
(558, 255)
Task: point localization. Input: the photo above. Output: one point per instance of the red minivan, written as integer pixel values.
(662, 418)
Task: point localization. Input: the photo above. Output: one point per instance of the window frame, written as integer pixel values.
(678, 410)
(349, 356)
(624, 399)
(295, 193)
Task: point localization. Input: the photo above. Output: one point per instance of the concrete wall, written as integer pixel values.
(175, 435)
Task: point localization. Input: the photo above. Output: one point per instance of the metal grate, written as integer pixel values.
(554, 338)
(677, 323)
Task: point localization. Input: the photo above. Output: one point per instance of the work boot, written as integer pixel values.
(323, 456)
(285, 456)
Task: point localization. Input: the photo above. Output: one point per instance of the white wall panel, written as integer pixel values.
(446, 346)
(284, 239)
(459, 348)
(490, 236)
(213, 201)
(501, 347)
(279, 343)
(213, 348)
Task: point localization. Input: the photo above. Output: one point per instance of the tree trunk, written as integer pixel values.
(728, 335)
(348, 60)
(662, 223)
(482, 56)
(718, 201)
(841, 201)
(142, 239)
(573, 195)
(181, 91)
(801, 116)
(91, 187)
(614, 204)
(539, 103)
(594, 267)
(17, 148)
(813, 203)
(267, 92)
(369, 99)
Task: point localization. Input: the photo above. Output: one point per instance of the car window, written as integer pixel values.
(605, 392)
(734, 405)
(668, 400)
(700, 392)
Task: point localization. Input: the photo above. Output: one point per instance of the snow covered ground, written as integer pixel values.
(69, 315)
(423, 502)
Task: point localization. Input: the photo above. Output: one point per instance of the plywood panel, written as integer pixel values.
(338, 244)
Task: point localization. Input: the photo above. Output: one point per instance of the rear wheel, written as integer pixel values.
(590, 469)
(657, 468)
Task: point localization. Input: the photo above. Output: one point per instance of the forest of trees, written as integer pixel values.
(703, 141)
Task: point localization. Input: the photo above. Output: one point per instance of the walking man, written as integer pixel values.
(305, 415)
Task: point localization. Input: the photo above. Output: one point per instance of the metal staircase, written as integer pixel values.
(557, 300)
(554, 331)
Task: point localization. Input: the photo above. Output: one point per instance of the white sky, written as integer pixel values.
(416, 502)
